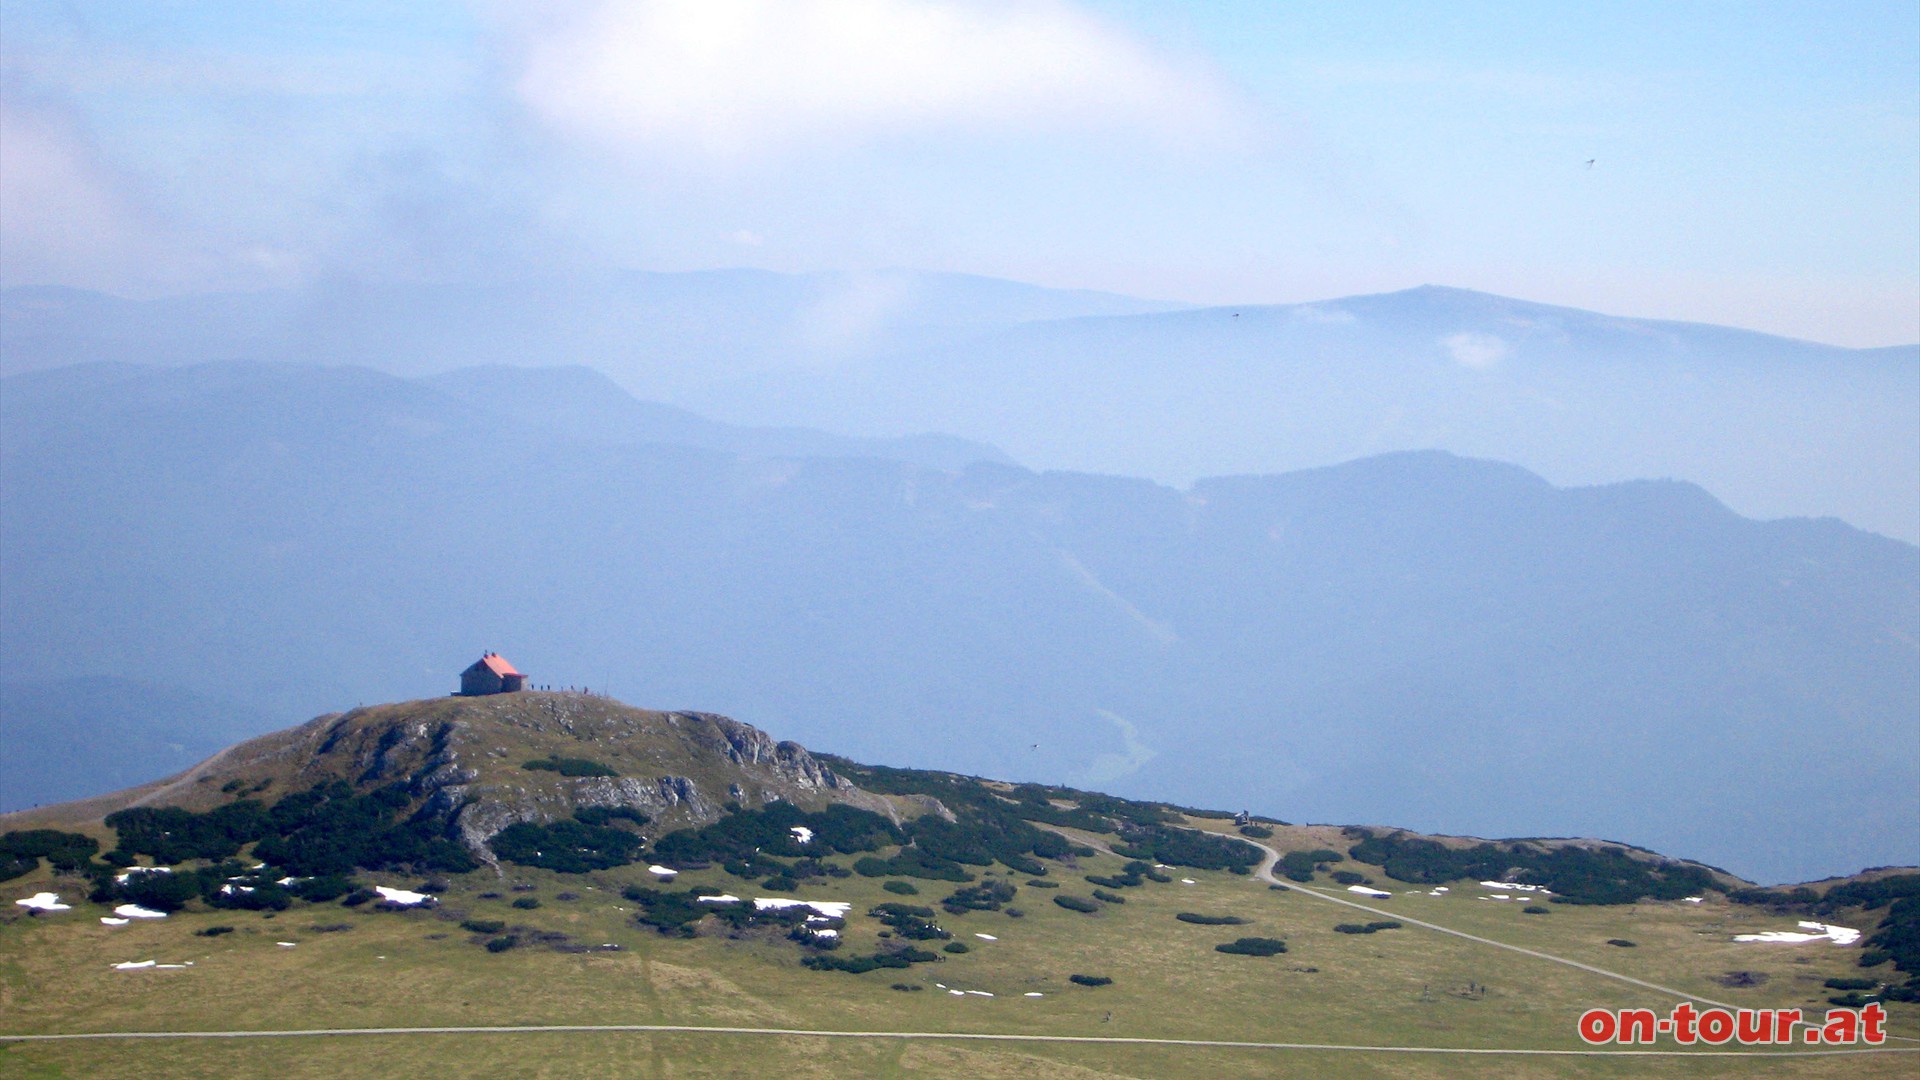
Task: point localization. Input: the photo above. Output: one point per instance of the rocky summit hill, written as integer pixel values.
(470, 767)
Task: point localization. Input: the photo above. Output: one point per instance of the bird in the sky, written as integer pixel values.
(1590, 163)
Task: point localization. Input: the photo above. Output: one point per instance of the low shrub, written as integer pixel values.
(902, 888)
(570, 766)
(1043, 884)
(780, 884)
(906, 987)
(358, 897)
(1852, 984)
(1253, 946)
(1258, 832)
(1366, 928)
(527, 903)
(956, 947)
(502, 944)
(1210, 920)
(1090, 980)
(1348, 877)
(1106, 897)
(483, 926)
(216, 931)
(1621, 943)
(1077, 903)
(1535, 909)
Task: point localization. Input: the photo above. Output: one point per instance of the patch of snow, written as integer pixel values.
(1692, 899)
(1186, 881)
(1438, 889)
(1809, 931)
(1161, 866)
(110, 921)
(135, 911)
(403, 897)
(286, 944)
(979, 993)
(1364, 891)
(286, 881)
(122, 879)
(825, 932)
(230, 889)
(176, 967)
(958, 993)
(45, 901)
(663, 871)
(832, 909)
(801, 834)
(1035, 993)
(133, 964)
(723, 898)
(1513, 886)
(986, 937)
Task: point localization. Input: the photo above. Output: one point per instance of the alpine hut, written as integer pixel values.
(491, 674)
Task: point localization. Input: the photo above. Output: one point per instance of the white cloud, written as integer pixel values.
(726, 79)
(1478, 351)
(63, 209)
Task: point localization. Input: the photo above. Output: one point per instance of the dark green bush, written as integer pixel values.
(527, 903)
(1535, 909)
(1348, 877)
(1210, 920)
(1577, 875)
(902, 888)
(1852, 984)
(955, 947)
(567, 846)
(570, 766)
(1258, 832)
(502, 944)
(1620, 942)
(1077, 903)
(21, 851)
(216, 931)
(483, 926)
(1253, 946)
(1043, 884)
(989, 895)
(1110, 898)
(1090, 980)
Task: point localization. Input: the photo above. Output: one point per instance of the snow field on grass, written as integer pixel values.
(111, 921)
(1364, 891)
(827, 909)
(45, 901)
(403, 897)
(802, 834)
(663, 871)
(135, 911)
(986, 937)
(1809, 931)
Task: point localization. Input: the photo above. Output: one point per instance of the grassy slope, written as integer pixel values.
(1397, 987)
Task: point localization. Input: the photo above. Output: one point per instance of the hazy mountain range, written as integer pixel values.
(1442, 643)
(1103, 383)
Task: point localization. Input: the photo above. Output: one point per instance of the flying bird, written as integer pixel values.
(1590, 163)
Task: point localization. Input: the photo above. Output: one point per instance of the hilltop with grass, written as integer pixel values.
(562, 859)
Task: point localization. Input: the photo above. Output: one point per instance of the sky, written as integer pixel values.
(1750, 164)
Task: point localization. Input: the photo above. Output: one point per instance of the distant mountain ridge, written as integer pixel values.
(1453, 645)
(1064, 379)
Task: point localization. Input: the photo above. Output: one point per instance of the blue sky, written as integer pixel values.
(1752, 164)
